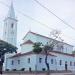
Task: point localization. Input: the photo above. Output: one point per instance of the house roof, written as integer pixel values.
(44, 37)
(29, 53)
(42, 53)
(27, 42)
(67, 54)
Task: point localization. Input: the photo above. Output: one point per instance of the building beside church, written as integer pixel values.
(59, 58)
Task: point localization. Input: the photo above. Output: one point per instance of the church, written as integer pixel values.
(59, 59)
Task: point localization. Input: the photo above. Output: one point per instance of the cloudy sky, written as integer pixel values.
(65, 9)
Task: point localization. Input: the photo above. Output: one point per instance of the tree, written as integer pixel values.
(48, 47)
(37, 47)
(5, 48)
(73, 52)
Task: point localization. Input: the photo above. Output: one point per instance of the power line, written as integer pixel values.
(29, 17)
(54, 14)
(35, 20)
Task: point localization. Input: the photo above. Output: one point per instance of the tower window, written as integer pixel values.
(5, 32)
(12, 25)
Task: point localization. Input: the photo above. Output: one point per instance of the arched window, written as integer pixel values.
(28, 60)
(40, 60)
(51, 61)
(70, 63)
(12, 62)
(60, 62)
(18, 61)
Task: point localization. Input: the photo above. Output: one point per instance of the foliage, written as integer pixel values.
(14, 70)
(7, 70)
(48, 47)
(73, 52)
(22, 69)
(37, 47)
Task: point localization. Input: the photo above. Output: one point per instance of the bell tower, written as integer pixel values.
(10, 27)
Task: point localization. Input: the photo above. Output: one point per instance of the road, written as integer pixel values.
(41, 74)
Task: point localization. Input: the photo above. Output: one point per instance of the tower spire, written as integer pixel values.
(11, 13)
(10, 27)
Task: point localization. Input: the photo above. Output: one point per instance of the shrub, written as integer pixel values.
(7, 70)
(22, 69)
(14, 70)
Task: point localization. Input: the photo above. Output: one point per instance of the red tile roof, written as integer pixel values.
(29, 53)
(42, 53)
(62, 53)
(45, 37)
(27, 42)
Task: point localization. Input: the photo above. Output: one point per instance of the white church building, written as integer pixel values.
(58, 59)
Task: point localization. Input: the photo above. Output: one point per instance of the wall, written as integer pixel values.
(23, 62)
(26, 48)
(36, 38)
(65, 58)
(34, 62)
(42, 65)
(35, 65)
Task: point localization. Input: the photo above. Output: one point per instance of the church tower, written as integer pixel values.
(10, 27)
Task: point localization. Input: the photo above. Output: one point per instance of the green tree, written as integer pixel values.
(48, 47)
(5, 47)
(73, 52)
(37, 47)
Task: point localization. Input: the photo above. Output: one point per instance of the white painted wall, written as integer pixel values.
(23, 62)
(36, 38)
(10, 34)
(26, 48)
(35, 65)
(34, 61)
(42, 65)
(64, 58)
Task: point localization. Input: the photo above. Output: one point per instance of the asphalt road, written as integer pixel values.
(40, 74)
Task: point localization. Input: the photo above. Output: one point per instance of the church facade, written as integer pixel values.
(27, 60)
(59, 58)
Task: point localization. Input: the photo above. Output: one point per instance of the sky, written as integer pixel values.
(62, 8)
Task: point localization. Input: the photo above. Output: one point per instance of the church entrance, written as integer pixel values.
(66, 66)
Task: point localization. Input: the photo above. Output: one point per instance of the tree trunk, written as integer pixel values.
(1, 66)
(47, 64)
